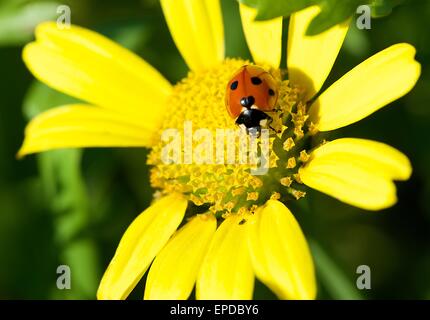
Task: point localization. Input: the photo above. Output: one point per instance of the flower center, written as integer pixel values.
(205, 135)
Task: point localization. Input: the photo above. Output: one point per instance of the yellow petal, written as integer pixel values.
(351, 184)
(226, 272)
(92, 68)
(142, 241)
(280, 254)
(264, 38)
(197, 29)
(357, 171)
(174, 271)
(310, 58)
(79, 125)
(381, 79)
(372, 155)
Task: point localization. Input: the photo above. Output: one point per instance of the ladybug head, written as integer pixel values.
(247, 102)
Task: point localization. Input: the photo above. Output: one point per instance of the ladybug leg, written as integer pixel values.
(241, 119)
(241, 122)
(267, 121)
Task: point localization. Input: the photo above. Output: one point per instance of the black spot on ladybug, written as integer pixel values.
(271, 92)
(256, 81)
(234, 85)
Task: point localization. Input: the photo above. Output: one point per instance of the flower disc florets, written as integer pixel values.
(217, 164)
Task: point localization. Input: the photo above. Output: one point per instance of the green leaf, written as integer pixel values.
(382, 8)
(82, 257)
(332, 11)
(40, 98)
(268, 9)
(331, 276)
(18, 20)
(64, 187)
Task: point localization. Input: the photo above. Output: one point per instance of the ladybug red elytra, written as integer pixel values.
(251, 93)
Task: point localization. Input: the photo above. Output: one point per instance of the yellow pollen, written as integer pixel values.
(229, 206)
(313, 129)
(291, 163)
(304, 156)
(252, 196)
(288, 144)
(298, 132)
(296, 177)
(243, 212)
(275, 196)
(238, 191)
(298, 194)
(286, 181)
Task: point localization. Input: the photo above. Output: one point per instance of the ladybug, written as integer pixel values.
(251, 93)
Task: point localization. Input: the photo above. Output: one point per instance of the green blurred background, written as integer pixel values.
(71, 207)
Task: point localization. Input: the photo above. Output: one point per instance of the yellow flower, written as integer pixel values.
(237, 225)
